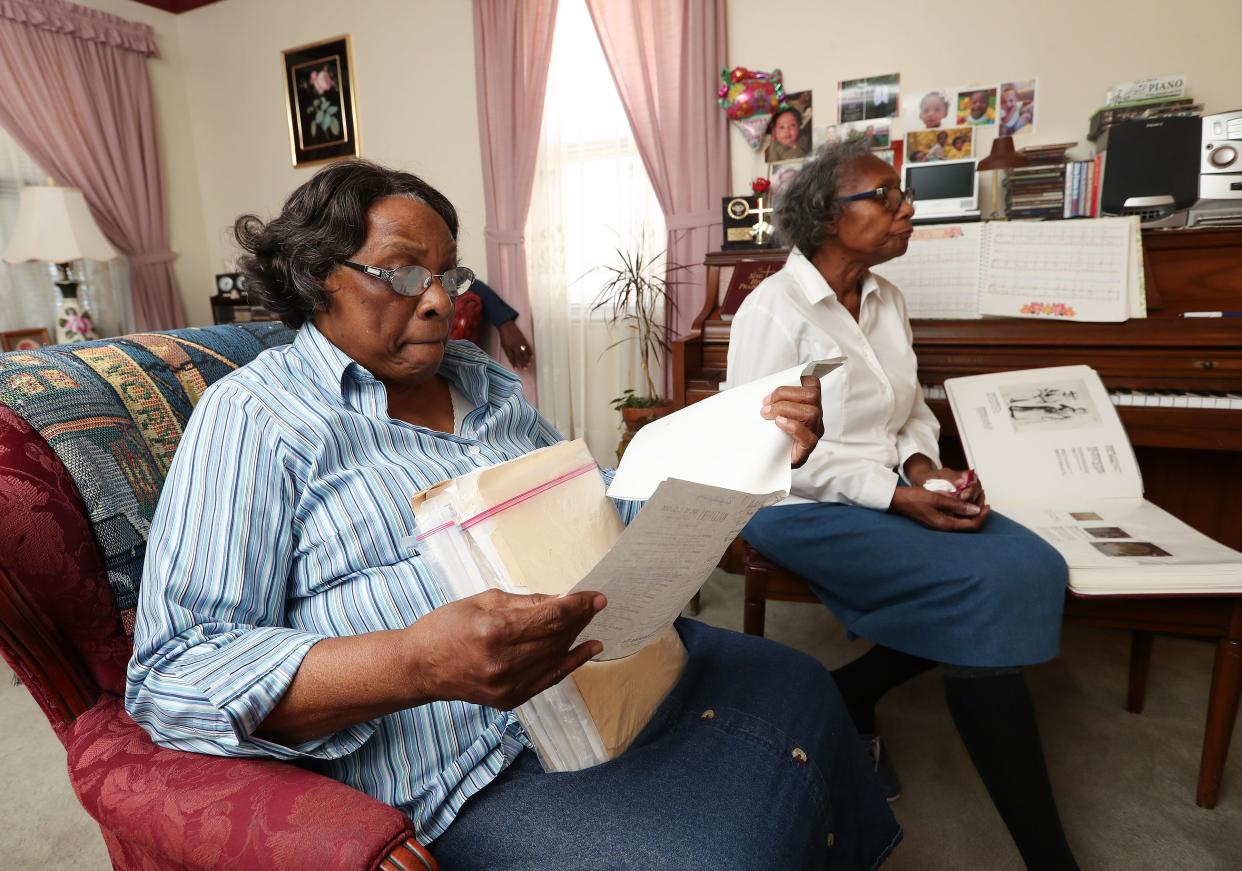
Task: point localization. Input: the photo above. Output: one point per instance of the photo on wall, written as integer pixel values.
(1017, 108)
(876, 134)
(976, 107)
(319, 101)
(789, 131)
(867, 99)
(951, 143)
(932, 111)
(781, 174)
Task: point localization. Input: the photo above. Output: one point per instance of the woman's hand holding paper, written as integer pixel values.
(798, 412)
(500, 649)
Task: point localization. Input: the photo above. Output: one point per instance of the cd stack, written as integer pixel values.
(1038, 189)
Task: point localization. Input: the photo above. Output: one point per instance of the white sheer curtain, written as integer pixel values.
(27, 295)
(591, 198)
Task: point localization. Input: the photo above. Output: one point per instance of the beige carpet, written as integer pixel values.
(1125, 783)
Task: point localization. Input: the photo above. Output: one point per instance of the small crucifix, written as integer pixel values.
(762, 229)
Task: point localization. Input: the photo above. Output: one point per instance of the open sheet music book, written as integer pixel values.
(1088, 270)
(1052, 454)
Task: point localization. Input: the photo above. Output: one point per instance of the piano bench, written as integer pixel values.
(1217, 618)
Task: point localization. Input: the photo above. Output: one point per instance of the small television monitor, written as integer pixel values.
(944, 189)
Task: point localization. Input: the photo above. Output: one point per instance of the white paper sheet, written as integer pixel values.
(939, 273)
(1090, 268)
(661, 560)
(722, 441)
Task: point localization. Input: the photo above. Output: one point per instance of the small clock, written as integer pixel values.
(226, 282)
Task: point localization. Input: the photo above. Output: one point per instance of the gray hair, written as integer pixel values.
(809, 202)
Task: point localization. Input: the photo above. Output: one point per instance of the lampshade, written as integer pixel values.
(53, 224)
(1003, 156)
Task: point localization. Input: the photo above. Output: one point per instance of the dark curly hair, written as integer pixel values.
(321, 223)
(808, 203)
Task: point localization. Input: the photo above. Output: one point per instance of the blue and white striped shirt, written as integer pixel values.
(281, 523)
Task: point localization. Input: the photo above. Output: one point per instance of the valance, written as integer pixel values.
(90, 25)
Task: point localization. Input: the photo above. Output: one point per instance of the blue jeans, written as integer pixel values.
(750, 763)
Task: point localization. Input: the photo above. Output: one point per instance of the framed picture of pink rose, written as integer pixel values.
(319, 100)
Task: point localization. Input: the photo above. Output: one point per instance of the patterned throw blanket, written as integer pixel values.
(113, 411)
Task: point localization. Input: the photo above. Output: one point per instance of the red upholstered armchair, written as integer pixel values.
(61, 632)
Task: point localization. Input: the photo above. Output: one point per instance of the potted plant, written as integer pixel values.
(636, 295)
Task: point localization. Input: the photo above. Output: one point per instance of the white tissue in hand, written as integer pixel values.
(938, 485)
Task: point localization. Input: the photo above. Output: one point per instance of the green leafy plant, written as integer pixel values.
(637, 294)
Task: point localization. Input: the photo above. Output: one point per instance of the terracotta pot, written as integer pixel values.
(634, 418)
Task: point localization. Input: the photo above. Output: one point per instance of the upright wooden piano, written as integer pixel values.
(1166, 373)
(1167, 376)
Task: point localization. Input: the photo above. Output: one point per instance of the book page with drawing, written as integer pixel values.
(1052, 454)
(1044, 434)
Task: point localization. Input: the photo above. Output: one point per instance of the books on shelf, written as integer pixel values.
(1054, 270)
(1161, 107)
(1053, 455)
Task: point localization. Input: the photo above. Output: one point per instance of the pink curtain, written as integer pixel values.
(512, 48)
(77, 98)
(666, 57)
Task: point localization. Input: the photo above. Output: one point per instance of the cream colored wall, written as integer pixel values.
(182, 198)
(1076, 48)
(413, 80)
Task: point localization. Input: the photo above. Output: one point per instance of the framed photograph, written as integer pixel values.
(319, 100)
(24, 340)
(789, 131)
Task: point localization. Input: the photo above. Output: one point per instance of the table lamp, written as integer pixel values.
(54, 225)
(1003, 157)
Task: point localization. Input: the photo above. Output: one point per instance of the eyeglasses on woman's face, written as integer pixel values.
(890, 197)
(414, 280)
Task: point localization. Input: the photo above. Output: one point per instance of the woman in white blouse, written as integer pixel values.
(929, 574)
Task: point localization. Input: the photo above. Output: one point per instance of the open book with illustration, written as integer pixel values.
(1053, 455)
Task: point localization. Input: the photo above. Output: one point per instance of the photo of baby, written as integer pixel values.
(976, 107)
(1017, 108)
(952, 143)
(933, 109)
(789, 131)
(781, 174)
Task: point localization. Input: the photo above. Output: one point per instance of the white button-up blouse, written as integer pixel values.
(874, 414)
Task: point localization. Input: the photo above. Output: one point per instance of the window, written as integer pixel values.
(591, 197)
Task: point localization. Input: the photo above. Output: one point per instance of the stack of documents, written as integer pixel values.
(1052, 454)
(543, 524)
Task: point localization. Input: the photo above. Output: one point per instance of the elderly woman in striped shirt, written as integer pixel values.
(280, 615)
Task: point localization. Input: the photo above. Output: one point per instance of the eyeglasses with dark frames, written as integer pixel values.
(891, 197)
(414, 280)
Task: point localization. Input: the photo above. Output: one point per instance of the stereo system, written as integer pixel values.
(1174, 172)
(1220, 173)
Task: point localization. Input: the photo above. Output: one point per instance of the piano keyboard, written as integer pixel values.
(1144, 398)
